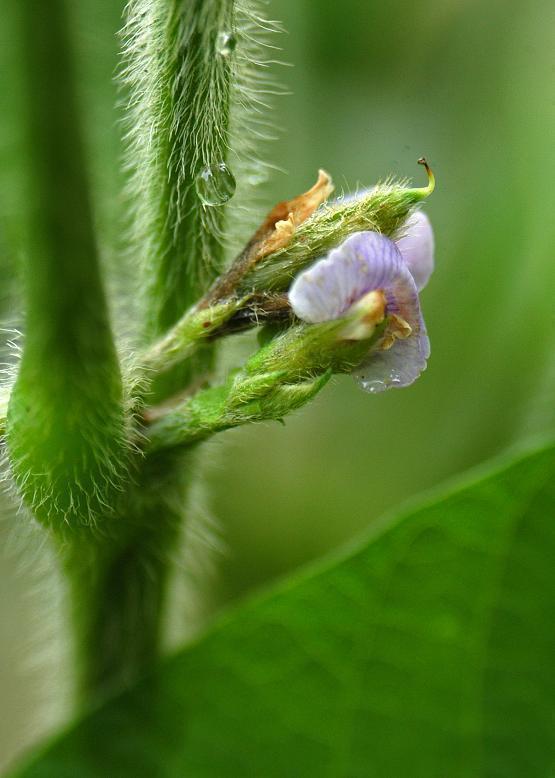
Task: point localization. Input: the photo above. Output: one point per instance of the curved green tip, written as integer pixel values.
(425, 191)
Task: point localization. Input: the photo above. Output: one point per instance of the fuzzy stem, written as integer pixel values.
(281, 377)
(214, 410)
(178, 125)
(66, 424)
(180, 93)
(4, 400)
(119, 585)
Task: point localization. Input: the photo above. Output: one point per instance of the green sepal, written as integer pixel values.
(383, 209)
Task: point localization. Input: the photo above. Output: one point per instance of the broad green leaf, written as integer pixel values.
(429, 652)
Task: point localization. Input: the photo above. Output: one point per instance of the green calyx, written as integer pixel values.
(383, 209)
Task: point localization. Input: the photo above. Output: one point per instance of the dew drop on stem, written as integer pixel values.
(215, 184)
(225, 44)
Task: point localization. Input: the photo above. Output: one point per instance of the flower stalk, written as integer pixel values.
(281, 377)
(192, 331)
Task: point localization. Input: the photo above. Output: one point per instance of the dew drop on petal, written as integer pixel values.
(215, 184)
(225, 44)
(374, 386)
(396, 367)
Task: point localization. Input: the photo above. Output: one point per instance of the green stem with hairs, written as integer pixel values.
(180, 104)
(279, 378)
(180, 92)
(4, 400)
(119, 584)
(66, 423)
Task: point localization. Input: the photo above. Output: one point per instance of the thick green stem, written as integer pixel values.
(4, 400)
(119, 584)
(178, 125)
(66, 425)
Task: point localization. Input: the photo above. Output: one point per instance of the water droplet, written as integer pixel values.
(394, 378)
(225, 43)
(372, 385)
(215, 184)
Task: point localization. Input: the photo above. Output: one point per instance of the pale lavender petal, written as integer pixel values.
(364, 262)
(417, 247)
(401, 364)
(397, 367)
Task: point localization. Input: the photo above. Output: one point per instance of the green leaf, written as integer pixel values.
(428, 652)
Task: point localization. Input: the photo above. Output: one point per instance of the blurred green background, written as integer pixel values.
(375, 85)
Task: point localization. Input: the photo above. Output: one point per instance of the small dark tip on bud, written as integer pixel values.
(431, 179)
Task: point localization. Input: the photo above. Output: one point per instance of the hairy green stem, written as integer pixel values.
(119, 583)
(180, 95)
(4, 400)
(66, 421)
(66, 424)
(215, 410)
(281, 377)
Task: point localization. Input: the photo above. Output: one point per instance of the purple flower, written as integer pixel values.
(416, 244)
(369, 262)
